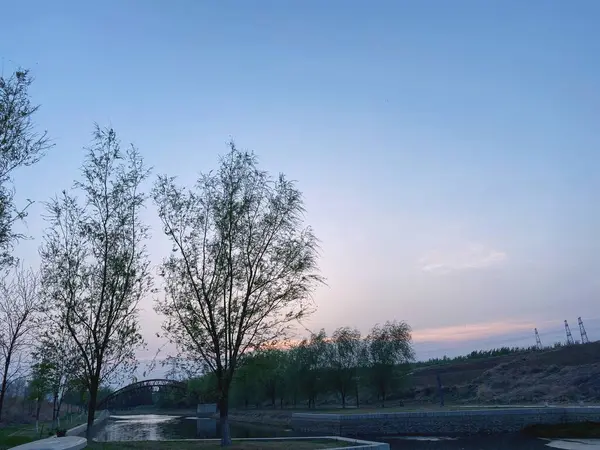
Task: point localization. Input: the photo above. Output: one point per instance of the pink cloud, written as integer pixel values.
(469, 332)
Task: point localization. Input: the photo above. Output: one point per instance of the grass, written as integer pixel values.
(581, 430)
(290, 444)
(13, 435)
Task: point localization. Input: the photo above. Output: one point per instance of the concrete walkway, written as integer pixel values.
(575, 444)
(61, 443)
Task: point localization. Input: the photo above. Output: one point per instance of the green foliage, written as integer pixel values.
(342, 365)
(20, 146)
(95, 266)
(41, 380)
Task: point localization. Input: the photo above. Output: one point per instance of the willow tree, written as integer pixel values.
(20, 146)
(390, 350)
(94, 261)
(242, 268)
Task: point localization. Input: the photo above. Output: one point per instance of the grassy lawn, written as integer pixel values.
(13, 435)
(210, 445)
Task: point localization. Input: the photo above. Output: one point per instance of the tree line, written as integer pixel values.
(483, 354)
(344, 365)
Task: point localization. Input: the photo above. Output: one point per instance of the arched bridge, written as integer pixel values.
(140, 393)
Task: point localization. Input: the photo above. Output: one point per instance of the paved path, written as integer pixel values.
(575, 444)
(61, 443)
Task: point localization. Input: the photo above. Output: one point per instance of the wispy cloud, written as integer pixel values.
(474, 256)
(470, 332)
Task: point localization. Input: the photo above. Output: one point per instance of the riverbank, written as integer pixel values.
(448, 423)
(305, 444)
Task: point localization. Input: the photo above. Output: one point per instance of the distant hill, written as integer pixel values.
(566, 374)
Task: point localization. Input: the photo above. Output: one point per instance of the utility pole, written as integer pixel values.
(440, 389)
(584, 336)
(538, 341)
(570, 340)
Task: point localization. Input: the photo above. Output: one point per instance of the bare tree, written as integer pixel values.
(242, 266)
(20, 146)
(95, 264)
(19, 305)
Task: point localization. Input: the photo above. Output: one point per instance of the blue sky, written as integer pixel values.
(448, 151)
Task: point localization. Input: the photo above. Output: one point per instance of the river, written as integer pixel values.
(161, 427)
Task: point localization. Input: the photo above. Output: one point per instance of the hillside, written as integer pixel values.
(567, 374)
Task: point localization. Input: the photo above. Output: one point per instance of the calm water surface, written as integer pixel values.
(160, 427)
(153, 427)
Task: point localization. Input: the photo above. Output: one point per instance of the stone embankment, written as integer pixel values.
(79, 430)
(278, 418)
(465, 422)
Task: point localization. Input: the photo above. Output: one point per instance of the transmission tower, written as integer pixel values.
(538, 341)
(570, 340)
(584, 336)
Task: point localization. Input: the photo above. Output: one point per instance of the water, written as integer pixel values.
(160, 427)
(498, 442)
(153, 427)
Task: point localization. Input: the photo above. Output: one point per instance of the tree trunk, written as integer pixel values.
(91, 408)
(356, 389)
(343, 393)
(224, 420)
(4, 381)
(54, 416)
(37, 414)
(58, 405)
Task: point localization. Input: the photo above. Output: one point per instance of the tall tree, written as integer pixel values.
(343, 356)
(19, 305)
(389, 346)
(20, 146)
(95, 264)
(242, 267)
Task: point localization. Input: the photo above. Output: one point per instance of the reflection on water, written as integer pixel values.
(152, 427)
(160, 427)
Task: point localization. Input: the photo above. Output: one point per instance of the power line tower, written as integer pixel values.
(584, 336)
(538, 341)
(570, 340)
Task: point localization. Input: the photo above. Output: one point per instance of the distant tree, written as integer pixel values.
(389, 346)
(19, 305)
(311, 362)
(56, 346)
(95, 264)
(343, 354)
(40, 385)
(269, 366)
(203, 389)
(20, 146)
(241, 269)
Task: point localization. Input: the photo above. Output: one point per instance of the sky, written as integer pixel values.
(448, 151)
